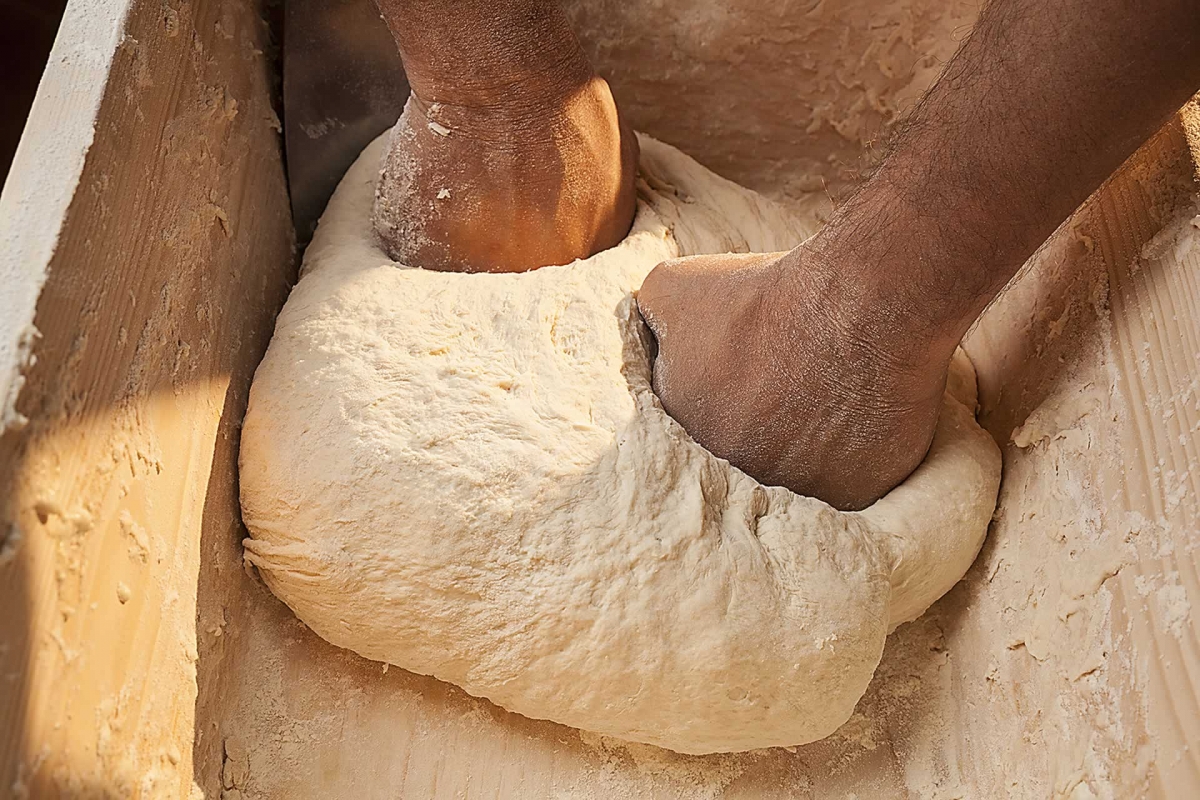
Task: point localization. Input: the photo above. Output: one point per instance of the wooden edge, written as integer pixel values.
(154, 249)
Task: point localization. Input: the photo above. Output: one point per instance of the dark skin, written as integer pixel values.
(822, 369)
(508, 161)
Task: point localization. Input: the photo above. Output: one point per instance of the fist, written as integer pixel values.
(792, 372)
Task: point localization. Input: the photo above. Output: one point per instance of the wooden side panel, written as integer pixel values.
(176, 253)
(1155, 300)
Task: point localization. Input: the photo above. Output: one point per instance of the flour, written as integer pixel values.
(1057, 417)
(470, 477)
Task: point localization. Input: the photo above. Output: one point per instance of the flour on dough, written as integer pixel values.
(469, 476)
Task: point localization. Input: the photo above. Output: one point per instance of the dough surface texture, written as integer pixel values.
(469, 476)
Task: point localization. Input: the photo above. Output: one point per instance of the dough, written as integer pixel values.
(469, 476)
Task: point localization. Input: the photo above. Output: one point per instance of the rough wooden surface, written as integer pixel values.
(1092, 667)
(174, 256)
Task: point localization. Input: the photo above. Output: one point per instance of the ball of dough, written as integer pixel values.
(469, 476)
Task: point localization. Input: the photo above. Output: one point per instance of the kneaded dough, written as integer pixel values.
(469, 476)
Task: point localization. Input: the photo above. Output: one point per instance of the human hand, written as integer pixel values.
(792, 373)
(510, 154)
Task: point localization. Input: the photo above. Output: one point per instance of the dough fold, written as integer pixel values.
(469, 476)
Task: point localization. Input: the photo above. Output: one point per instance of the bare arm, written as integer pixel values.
(823, 369)
(510, 154)
(1040, 104)
(500, 53)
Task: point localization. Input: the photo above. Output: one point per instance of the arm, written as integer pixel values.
(510, 154)
(822, 369)
(1041, 103)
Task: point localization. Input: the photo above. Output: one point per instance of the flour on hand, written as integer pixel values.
(469, 476)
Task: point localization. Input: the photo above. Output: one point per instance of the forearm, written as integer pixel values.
(1041, 103)
(459, 51)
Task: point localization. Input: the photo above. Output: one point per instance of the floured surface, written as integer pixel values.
(1083, 594)
(789, 98)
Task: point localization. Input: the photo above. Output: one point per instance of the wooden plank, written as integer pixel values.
(159, 294)
(46, 170)
(1153, 256)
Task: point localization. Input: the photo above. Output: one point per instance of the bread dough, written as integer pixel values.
(470, 477)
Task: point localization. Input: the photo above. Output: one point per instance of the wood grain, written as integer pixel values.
(174, 256)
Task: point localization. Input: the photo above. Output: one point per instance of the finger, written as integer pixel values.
(675, 287)
(654, 294)
(663, 287)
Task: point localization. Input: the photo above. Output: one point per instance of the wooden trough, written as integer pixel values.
(146, 246)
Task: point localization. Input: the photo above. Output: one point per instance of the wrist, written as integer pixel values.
(524, 52)
(876, 328)
(907, 266)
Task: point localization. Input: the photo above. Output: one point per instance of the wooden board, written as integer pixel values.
(166, 251)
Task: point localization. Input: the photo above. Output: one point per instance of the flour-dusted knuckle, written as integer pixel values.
(469, 476)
